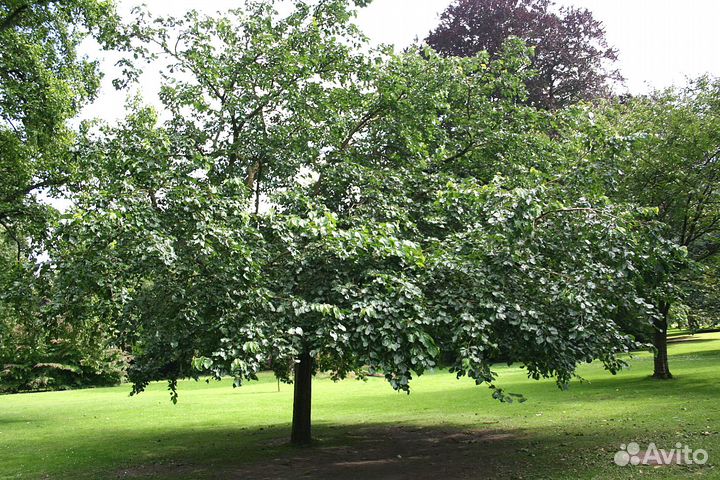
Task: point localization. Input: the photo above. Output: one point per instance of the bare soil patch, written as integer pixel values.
(386, 453)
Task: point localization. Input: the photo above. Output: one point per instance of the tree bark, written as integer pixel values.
(301, 427)
(662, 368)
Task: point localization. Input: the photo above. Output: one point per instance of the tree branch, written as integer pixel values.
(14, 238)
(462, 152)
(563, 210)
(29, 188)
(364, 121)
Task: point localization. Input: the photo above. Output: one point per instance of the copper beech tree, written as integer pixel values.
(572, 58)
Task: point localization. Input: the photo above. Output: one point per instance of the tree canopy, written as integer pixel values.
(44, 83)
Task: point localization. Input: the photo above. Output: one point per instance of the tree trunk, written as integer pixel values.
(662, 369)
(301, 429)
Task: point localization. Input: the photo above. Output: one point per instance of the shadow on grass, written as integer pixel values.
(697, 332)
(356, 452)
(367, 451)
(6, 419)
(382, 451)
(562, 448)
(683, 384)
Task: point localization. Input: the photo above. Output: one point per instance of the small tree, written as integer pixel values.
(672, 165)
(412, 205)
(572, 58)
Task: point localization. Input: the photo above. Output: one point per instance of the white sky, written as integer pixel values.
(661, 42)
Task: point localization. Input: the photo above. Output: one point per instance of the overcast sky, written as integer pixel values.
(661, 42)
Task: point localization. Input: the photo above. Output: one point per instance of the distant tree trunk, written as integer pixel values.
(662, 369)
(301, 428)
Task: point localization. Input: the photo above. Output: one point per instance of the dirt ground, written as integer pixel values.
(387, 453)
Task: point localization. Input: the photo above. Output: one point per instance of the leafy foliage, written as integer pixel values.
(41, 350)
(43, 84)
(311, 196)
(673, 164)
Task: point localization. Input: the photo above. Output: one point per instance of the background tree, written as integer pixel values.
(701, 309)
(42, 348)
(43, 84)
(571, 56)
(672, 165)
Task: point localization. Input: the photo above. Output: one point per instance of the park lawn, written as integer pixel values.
(104, 433)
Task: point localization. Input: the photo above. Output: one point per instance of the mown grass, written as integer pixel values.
(101, 433)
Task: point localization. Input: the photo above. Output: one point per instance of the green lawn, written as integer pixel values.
(104, 433)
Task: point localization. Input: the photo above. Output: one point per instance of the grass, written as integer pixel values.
(103, 433)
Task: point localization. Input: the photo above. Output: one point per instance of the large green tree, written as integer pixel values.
(313, 204)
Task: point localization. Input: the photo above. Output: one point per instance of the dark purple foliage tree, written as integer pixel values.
(572, 57)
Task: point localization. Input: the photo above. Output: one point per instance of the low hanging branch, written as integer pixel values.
(365, 121)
